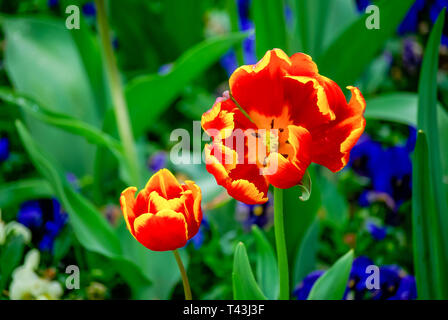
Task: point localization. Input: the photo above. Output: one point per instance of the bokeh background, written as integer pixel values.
(61, 171)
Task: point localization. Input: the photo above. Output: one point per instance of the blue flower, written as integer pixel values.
(30, 214)
(4, 149)
(157, 161)
(258, 214)
(389, 170)
(229, 60)
(390, 280)
(361, 5)
(45, 219)
(411, 20)
(407, 289)
(89, 10)
(302, 291)
(52, 3)
(378, 233)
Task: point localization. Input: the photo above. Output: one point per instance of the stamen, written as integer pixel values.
(272, 124)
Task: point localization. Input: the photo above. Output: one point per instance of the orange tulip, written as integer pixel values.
(165, 214)
(305, 114)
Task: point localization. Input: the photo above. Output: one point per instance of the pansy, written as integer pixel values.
(260, 215)
(165, 214)
(4, 149)
(45, 218)
(377, 232)
(280, 116)
(158, 161)
(389, 170)
(199, 238)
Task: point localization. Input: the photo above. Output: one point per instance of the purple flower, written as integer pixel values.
(158, 161)
(378, 233)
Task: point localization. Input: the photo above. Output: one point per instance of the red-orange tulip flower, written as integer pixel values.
(165, 214)
(296, 115)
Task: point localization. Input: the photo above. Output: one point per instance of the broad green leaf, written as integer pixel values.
(270, 30)
(348, 56)
(22, 190)
(334, 203)
(91, 229)
(160, 267)
(427, 122)
(43, 62)
(318, 22)
(148, 96)
(10, 256)
(298, 216)
(402, 108)
(266, 267)
(333, 283)
(63, 121)
(244, 285)
(305, 261)
(426, 232)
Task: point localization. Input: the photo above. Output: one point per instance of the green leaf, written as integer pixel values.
(269, 20)
(148, 96)
(22, 190)
(305, 187)
(426, 234)
(333, 283)
(10, 257)
(244, 285)
(299, 215)
(91, 229)
(43, 62)
(266, 265)
(348, 56)
(427, 122)
(305, 261)
(63, 121)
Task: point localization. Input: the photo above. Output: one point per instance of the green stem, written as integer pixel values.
(183, 273)
(116, 88)
(280, 242)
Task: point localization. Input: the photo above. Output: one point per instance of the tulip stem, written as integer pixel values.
(118, 99)
(282, 255)
(183, 273)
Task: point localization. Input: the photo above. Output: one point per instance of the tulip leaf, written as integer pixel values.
(299, 215)
(305, 187)
(427, 242)
(305, 261)
(63, 121)
(402, 108)
(91, 229)
(333, 283)
(429, 171)
(348, 56)
(44, 61)
(270, 31)
(148, 96)
(10, 257)
(244, 285)
(266, 265)
(22, 190)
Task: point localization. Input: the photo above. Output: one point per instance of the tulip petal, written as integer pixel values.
(165, 183)
(291, 166)
(332, 145)
(258, 88)
(127, 201)
(166, 230)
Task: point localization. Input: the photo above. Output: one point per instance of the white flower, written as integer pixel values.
(13, 227)
(26, 284)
